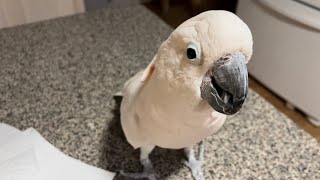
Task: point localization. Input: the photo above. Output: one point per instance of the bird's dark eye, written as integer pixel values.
(191, 53)
(194, 53)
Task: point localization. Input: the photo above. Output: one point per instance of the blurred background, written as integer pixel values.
(16, 12)
(285, 65)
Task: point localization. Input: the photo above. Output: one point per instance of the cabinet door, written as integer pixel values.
(16, 12)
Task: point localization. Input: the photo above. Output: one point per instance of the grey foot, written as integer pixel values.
(195, 164)
(148, 171)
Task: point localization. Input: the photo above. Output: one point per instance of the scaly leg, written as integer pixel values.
(148, 171)
(195, 164)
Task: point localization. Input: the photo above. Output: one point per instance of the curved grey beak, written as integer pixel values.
(225, 85)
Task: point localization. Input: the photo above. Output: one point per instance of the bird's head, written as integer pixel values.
(207, 56)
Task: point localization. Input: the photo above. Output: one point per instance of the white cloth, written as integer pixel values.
(28, 156)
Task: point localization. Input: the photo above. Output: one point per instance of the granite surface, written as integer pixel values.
(59, 76)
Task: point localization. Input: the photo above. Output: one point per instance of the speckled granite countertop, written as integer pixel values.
(59, 76)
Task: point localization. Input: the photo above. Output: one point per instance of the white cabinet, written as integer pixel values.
(286, 56)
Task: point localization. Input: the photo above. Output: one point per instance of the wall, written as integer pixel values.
(16, 12)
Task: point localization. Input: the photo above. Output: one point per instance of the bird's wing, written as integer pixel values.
(129, 92)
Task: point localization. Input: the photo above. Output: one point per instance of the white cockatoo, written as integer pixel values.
(197, 78)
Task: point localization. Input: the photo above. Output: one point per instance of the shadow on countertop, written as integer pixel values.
(118, 154)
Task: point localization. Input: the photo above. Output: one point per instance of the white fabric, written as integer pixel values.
(28, 156)
(6, 131)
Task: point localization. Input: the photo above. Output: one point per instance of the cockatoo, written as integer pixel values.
(197, 78)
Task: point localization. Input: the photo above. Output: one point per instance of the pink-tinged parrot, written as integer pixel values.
(197, 78)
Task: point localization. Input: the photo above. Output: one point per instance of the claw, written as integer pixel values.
(196, 170)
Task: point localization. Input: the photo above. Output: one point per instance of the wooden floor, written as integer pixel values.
(178, 13)
(295, 115)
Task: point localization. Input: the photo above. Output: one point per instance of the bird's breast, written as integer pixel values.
(172, 126)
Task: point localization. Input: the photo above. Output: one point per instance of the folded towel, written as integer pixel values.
(26, 155)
